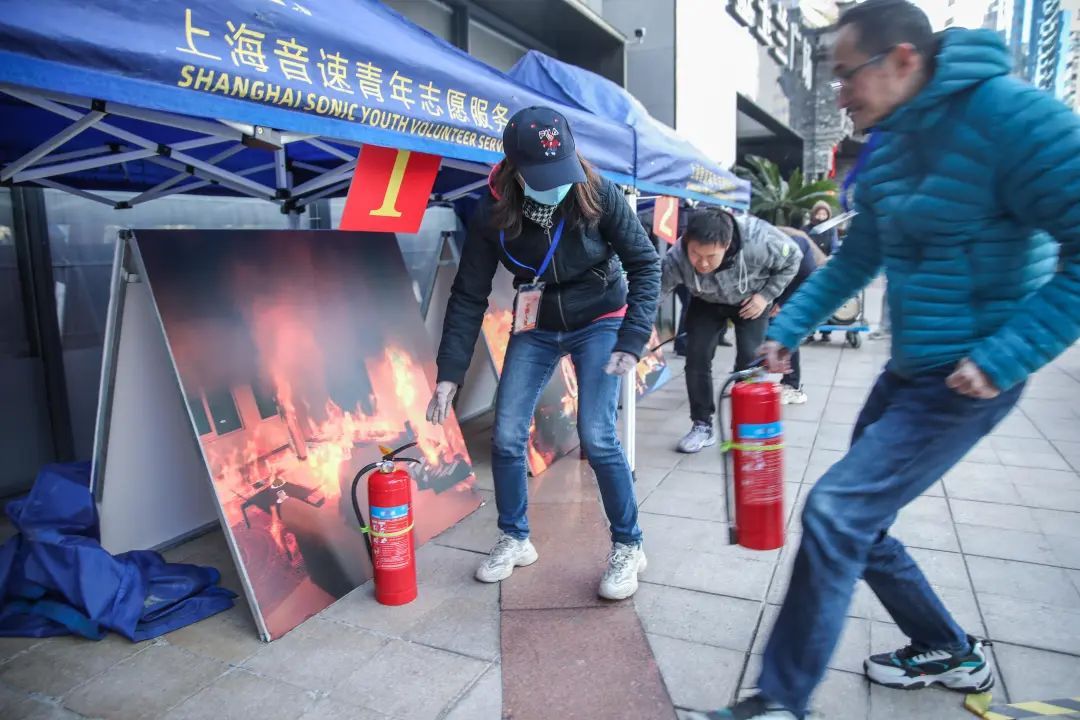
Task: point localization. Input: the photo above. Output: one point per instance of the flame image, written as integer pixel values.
(570, 397)
(651, 370)
(497, 326)
(306, 351)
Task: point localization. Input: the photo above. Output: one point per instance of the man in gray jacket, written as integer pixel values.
(734, 270)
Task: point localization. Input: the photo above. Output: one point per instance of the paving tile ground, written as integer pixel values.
(999, 538)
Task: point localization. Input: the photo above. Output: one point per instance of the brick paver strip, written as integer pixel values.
(590, 663)
(565, 652)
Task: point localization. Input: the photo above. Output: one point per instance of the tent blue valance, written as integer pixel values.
(281, 75)
(665, 163)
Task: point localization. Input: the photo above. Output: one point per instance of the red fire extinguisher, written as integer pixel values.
(389, 539)
(756, 452)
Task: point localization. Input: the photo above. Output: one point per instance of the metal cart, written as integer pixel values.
(850, 319)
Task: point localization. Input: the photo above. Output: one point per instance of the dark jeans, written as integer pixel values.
(909, 434)
(794, 378)
(704, 325)
(531, 358)
(680, 340)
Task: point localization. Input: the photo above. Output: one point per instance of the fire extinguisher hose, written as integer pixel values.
(726, 445)
(364, 527)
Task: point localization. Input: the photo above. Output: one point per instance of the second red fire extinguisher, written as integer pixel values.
(756, 450)
(389, 539)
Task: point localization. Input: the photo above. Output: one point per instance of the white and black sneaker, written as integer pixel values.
(508, 553)
(700, 437)
(913, 668)
(752, 708)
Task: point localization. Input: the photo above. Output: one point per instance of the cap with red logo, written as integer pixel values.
(538, 141)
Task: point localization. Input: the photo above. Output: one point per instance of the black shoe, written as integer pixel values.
(913, 668)
(724, 342)
(755, 708)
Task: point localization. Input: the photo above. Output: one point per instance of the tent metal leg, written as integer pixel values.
(629, 394)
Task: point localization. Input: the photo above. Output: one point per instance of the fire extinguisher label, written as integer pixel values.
(391, 553)
(389, 513)
(760, 431)
(761, 474)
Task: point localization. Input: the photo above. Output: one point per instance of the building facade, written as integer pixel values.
(1044, 39)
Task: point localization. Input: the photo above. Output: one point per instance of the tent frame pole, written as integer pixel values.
(86, 121)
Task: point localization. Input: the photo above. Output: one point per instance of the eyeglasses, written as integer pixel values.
(847, 76)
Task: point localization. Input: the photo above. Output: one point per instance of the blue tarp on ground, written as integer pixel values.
(665, 163)
(56, 579)
(352, 70)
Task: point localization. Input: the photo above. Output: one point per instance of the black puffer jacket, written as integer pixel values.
(587, 278)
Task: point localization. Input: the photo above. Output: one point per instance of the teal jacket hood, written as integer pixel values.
(964, 58)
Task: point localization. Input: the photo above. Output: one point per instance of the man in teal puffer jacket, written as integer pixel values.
(969, 186)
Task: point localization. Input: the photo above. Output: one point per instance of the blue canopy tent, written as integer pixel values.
(664, 163)
(262, 98)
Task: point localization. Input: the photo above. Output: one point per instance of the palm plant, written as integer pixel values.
(779, 201)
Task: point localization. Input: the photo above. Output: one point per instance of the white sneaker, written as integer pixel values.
(508, 553)
(700, 437)
(792, 396)
(620, 580)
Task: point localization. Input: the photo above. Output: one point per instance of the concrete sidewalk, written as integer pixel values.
(999, 538)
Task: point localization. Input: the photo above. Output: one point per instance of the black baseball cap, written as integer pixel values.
(538, 141)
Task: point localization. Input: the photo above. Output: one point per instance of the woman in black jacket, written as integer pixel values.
(588, 280)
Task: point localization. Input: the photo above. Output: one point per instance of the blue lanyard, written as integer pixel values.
(538, 273)
(860, 165)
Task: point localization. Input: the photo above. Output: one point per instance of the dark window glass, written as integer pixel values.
(223, 411)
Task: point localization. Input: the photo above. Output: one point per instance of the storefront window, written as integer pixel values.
(25, 434)
(436, 18)
(493, 48)
(82, 239)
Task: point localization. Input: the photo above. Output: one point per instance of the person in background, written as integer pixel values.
(587, 281)
(791, 389)
(734, 269)
(827, 241)
(969, 185)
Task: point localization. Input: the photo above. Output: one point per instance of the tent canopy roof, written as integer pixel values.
(665, 163)
(267, 98)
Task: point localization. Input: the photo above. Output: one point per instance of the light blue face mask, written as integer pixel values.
(554, 196)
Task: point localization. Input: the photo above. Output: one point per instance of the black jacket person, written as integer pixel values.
(588, 280)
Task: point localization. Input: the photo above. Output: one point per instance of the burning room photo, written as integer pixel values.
(300, 354)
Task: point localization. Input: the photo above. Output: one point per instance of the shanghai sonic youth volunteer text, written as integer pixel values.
(326, 83)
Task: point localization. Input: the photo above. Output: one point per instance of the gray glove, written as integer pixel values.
(441, 402)
(620, 363)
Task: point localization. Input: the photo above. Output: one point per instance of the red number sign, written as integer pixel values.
(389, 190)
(665, 222)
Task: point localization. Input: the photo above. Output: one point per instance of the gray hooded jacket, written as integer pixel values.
(761, 259)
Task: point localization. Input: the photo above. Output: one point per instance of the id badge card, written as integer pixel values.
(527, 307)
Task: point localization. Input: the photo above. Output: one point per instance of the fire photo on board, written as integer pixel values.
(300, 353)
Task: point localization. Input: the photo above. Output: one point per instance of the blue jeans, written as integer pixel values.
(911, 431)
(531, 358)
